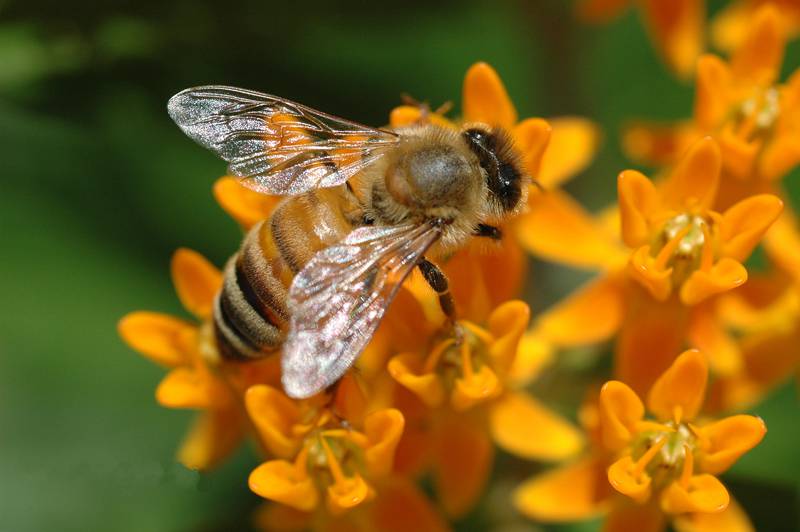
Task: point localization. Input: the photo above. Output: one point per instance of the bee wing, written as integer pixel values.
(276, 146)
(338, 299)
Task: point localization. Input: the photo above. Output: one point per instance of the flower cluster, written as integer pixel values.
(430, 401)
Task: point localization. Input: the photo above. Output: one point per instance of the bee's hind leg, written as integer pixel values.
(438, 281)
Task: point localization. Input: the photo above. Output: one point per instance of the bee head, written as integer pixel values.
(499, 160)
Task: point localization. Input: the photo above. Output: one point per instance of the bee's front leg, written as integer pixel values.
(488, 231)
(438, 281)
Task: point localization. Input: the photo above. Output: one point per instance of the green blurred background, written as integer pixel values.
(99, 187)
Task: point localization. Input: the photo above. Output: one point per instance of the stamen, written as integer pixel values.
(707, 254)
(333, 464)
(466, 361)
(677, 414)
(669, 248)
(483, 335)
(645, 459)
(300, 462)
(435, 355)
(688, 467)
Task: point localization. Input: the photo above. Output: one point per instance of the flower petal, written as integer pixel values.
(532, 137)
(475, 388)
(704, 494)
(213, 437)
(707, 334)
(589, 315)
(711, 93)
(464, 456)
(558, 229)
(728, 439)
(186, 387)
(281, 481)
(639, 202)
(544, 435)
(402, 507)
(574, 492)
(626, 516)
(348, 493)
(624, 477)
(275, 417)
(408, 115)
(245, 206)
(407, 369)
(646, 270)
(383, 429)
(507, 323)
(620, 411)
(779, 157)
(196, 280)
(731, 519)
(485, 98)
(678, 394)
(760, 55)
(743, 225)
(573, 145)
(695, 180)
(161, 338)
(677, 28)
(656, 144)
(725, 275)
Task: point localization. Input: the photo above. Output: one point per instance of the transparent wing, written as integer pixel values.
(276, 146)
(338, 299)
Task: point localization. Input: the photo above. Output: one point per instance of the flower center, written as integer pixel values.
(454, 360)
(685, 244)
(666, 453)
(757, 115)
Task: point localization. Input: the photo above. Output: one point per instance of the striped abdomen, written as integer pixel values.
(250, 313)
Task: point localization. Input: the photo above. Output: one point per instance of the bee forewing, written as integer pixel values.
(337, 301)
(276, 146)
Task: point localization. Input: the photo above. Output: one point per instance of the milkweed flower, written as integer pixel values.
(676, 27)
(684, 255)
(659, 470)
(730, 26)
(463, 398)
(326, 447)
(197, 378)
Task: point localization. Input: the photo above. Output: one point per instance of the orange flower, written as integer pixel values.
(730, 26)
(755, 120)
(675, 26)
(197, 379)
(327, 446)
(462, 395)
(684, 255)
(666, 466)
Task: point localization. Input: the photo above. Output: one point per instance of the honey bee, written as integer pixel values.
(364, 207)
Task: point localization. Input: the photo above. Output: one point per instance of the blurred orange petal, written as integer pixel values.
(573, 145)
(759, 57)
(196, 281)
(544, 435)
(723, 276)
(627, 516)
(704, 493)
(557, 228)
(678, 394)
(620, 411)
(711, 93)
(485, 98)
(695, 180)
(191, 388)
(409, 115)
(707, 333)
(743, 225)
(463, 460)
(212, 438)
(245, 206)
(532, 137)
(574, 492)
(160, 337)
(401, 507)
(589, 315)
(657, 144)
(728, 439)
(677, 29)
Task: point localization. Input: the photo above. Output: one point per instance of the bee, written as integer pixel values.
(363, 207)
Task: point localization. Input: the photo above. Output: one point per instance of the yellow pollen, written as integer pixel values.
(759, 113)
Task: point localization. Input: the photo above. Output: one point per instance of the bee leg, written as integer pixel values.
(438, 281)
(488, 231)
